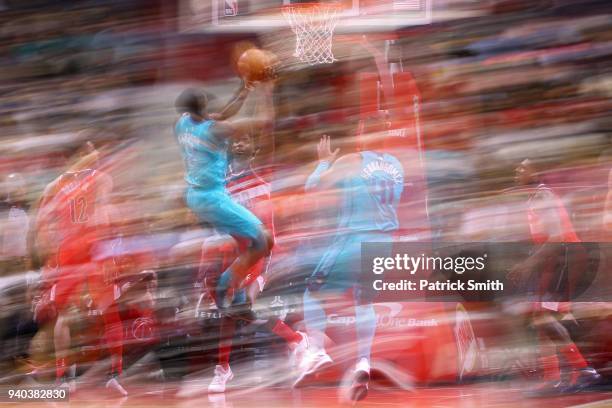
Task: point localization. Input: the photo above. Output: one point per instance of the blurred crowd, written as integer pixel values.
(523, 79)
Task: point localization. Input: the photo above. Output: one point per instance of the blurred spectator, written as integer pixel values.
(15, 225)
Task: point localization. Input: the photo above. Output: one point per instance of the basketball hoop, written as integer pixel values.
(313, 25)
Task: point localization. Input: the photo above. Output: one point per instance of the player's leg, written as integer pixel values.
(255, 242)
(315, 356)
(548, 359)
(254, 246)
(63, 293)
(254, 282)
(113, 337)
(365, 316)
(239, 310)
(555, 340)
(327, 281)
(553, 333)
(61, 342)
(101, 283)
(365, 328)
(315, 319)
(226, 331)
(217, 253)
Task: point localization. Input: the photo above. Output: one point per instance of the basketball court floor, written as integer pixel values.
(484, 395)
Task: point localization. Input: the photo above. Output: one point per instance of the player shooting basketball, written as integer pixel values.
(250, 190)
(205, 139)
(370, 184)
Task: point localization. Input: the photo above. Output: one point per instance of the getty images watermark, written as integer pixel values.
(485, 271)
(411, 264)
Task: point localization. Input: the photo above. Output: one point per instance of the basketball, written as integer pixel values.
(254, 64)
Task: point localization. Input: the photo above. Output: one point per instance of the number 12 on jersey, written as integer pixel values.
(78, 210)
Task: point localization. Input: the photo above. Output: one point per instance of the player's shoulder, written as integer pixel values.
(185, 121)
(386, 156)
(348, 160)
(181, 121)
(55, 185)
(392, 158)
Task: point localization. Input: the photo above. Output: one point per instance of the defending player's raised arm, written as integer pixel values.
(330, 170)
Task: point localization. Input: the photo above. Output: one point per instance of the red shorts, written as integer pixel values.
(141, 326)
(77, 274)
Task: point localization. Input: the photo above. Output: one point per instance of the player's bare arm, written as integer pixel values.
(40, 237)
(234, 106)
(262, 119)
(330, 169)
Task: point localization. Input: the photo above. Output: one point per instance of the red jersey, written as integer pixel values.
(549, 221)
(254, 193)
(558, 227)
(71, 211)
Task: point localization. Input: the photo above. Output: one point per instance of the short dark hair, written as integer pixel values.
(191, 101)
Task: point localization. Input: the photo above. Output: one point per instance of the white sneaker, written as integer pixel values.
(312, 361)
(360, 381)
(114, 385)
(362, 369)
(297, 354)
(70, 385)
(221, 377)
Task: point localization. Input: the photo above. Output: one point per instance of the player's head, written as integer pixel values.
(88, 154)
(525, 173)
(244, 147)
(191, 101)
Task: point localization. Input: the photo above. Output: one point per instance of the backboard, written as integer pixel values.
(259, 16)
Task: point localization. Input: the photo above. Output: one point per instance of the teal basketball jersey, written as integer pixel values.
(204, 155)
(371, 197)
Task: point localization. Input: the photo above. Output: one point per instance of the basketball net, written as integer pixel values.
(313, 25)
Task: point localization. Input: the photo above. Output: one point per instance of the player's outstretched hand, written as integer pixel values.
(324, 150)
